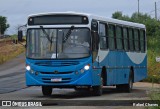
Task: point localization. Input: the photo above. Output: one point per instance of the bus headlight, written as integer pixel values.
(28, 67)
(86, 67)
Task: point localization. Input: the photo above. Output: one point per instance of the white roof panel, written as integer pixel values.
(99, 18)
(115, 21)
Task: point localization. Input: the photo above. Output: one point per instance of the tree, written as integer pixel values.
(152, 25)
(3, 24)
(117, 15)
(120, 16)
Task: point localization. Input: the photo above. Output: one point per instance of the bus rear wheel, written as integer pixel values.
(46, 90)
(128, 87)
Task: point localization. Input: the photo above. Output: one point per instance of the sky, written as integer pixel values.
(17, 11)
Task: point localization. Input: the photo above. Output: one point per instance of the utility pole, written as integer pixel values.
(155, 10)
(138, 7)
(0, 29)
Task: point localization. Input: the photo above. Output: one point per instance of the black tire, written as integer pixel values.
(120, 87)
(82, 89)
(128, 87)
(46, 90)
(97, 90)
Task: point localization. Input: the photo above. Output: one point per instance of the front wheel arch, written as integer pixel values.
(104, 75)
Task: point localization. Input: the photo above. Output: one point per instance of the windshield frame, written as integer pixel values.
(90, 52)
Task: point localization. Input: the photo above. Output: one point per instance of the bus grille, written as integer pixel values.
(57, 72)
(48, 80)
(57, 63)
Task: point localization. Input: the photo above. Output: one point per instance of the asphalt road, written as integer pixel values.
(12, 87)
(12, 75)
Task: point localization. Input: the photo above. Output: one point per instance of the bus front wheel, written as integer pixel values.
(46, 90)
(97, 90)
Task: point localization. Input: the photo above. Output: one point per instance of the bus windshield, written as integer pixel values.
(50, 43)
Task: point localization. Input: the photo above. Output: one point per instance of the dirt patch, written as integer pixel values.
(4, 43)
(146, 84)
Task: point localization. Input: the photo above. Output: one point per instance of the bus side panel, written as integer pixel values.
(141, 73)
(96, 74)
(111, 74)
(122, 76)
(96, 77)
(122, 73)
(118, 69)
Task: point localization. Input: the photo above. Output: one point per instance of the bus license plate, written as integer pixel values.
(56, 80)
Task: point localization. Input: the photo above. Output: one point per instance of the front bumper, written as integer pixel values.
(67, 80)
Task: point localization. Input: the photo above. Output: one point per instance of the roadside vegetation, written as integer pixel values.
(9, 50)
(153, 41)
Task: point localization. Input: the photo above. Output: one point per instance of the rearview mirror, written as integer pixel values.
(20, 35)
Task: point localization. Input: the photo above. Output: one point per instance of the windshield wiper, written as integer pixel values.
(51, 42)
(47, 36)
(68, 34)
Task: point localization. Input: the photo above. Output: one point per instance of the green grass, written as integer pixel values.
(155, 95)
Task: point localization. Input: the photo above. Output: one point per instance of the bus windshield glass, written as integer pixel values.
(49, 43)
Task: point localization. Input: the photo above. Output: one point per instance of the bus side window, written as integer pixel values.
(119, 37)
(131, 46)
(142, 40)
(144, 32)
(111, 38)
(136, 40)
(125, 36)
(102, 34)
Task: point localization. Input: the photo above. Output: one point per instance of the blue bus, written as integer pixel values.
(78, 50)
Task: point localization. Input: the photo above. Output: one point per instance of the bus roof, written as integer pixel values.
(118, 22)
(96, 17)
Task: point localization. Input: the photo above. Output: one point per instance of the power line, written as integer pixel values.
(153, 12)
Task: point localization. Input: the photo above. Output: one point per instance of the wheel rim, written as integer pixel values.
(101, 82)
(130, 84)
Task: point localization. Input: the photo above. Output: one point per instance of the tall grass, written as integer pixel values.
(153, 66)
(9, 50)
